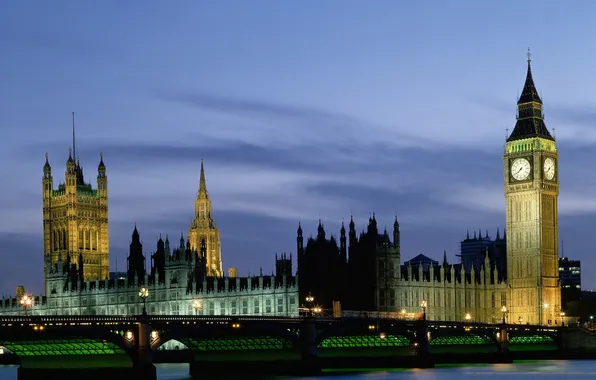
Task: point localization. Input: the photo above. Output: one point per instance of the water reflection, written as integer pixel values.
(547, 370)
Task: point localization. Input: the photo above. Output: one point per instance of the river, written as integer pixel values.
(546, 370)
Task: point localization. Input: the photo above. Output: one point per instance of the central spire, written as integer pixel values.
(203, 182)
(530, 119)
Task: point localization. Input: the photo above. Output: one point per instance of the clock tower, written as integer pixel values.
(531, 195)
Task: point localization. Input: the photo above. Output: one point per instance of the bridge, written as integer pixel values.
(303, 340)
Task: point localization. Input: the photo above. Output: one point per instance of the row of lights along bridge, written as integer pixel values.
(311, 309)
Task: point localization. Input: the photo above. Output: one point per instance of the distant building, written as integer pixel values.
(570, 273)
(473, 250)
(232, 272)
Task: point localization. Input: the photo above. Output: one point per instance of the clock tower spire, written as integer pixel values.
(531, 195)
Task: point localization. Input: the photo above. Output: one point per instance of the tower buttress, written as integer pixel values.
(47, 183)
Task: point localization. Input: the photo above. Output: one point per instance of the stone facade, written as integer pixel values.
(369, 276)
(274, 295)
(75, 218)
(75, 232)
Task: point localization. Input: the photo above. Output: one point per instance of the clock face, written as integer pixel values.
(549, 168)
(520, 169)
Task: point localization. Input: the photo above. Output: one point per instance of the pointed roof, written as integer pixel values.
(47, 166)
(530, 119)
(529, 93)
(70, 159)
(202, 182)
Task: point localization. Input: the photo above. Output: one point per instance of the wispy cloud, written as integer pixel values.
(288, 125)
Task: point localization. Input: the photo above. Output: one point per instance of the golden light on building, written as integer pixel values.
(75, 218)
(203, 233)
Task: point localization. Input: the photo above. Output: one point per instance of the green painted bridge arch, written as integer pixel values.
(364, 336)
(522, 338)
(228, 337)
(53, 341)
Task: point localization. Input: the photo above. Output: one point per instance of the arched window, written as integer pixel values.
(93, 240)
(87, 239)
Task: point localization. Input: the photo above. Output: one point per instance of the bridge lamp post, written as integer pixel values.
(467, 317)
(423, 304)
(197, 305)
(546, 313)
(144, 293)
(504, 311)
(26, 302)
(310, 302)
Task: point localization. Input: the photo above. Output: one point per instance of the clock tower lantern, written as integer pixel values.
(531, 195)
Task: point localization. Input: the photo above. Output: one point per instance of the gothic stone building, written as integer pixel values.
(176, 279)
(366, 272)
(367, 275)
(77, 282)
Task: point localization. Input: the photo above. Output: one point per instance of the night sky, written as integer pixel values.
(301, 110)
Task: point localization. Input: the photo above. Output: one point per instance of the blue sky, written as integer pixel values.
(301, 110)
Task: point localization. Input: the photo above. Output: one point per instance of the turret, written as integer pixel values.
(343, 241)
(320, 231)
(299, 240)
(47, 179)
(136, 259)
(445, 262)
(47, 185)
(167, 247)
(396, 237)
(352, 233)
(102, 178)
(71, 174)
(159, 262)
(372, 226)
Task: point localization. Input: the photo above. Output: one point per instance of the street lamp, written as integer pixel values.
(468, 317)
(546, 314)
(423, 304)
(504, 311)
(144, 293)
(197, 305)
(26, 302)
(310, 302)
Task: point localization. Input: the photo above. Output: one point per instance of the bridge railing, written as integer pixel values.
(111, 319)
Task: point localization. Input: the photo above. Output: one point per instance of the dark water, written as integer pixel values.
(545, 370)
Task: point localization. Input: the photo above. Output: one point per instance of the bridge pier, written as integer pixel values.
(143, 363)
(503, 339)
(422, 345)
(308, 347)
